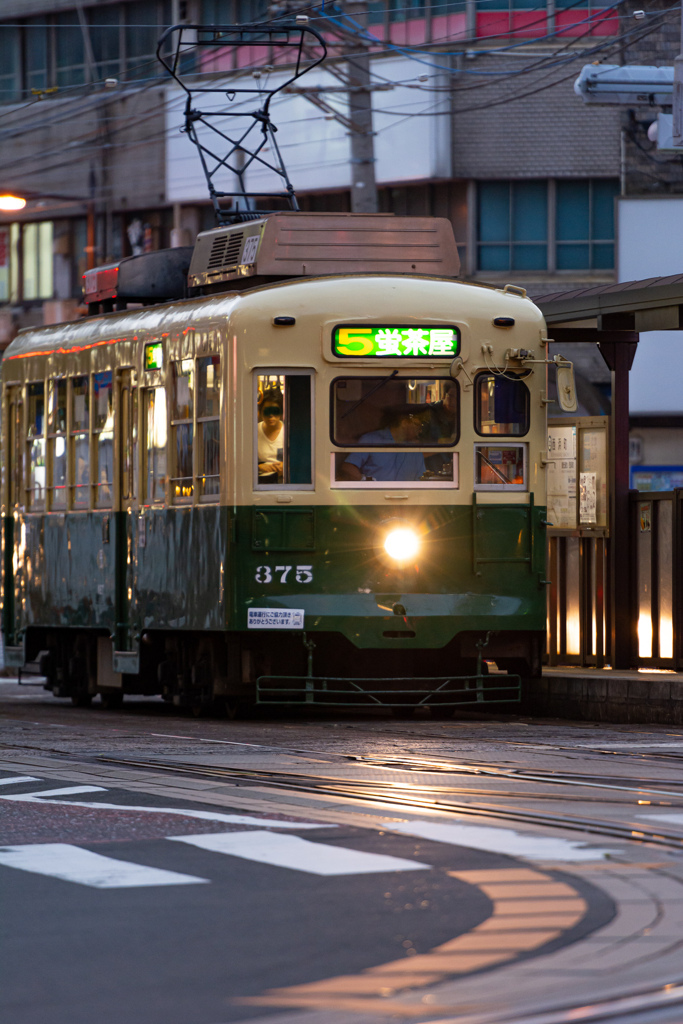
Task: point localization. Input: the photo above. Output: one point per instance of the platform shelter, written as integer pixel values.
(616, 587)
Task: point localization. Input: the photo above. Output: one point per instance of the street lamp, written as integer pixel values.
(10, 203)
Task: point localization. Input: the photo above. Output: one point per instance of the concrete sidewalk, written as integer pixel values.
(608, 695)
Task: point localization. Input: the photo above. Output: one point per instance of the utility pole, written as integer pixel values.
(363, 184)
(678, 94)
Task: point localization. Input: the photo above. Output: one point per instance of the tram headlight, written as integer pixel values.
(402, 544)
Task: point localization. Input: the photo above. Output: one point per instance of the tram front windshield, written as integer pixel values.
(413, 416)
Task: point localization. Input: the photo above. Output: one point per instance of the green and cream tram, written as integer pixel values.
(320, 479)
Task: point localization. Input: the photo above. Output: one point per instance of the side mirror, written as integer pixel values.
(457, 367)
(566, 385)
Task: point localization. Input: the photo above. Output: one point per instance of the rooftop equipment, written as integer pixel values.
(236, 147)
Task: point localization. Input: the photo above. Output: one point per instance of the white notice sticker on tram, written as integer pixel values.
(275, 618)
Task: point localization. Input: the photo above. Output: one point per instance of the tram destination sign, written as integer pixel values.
(397, 342)
(154, 356)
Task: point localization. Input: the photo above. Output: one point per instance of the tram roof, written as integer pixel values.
(654, 304)
(168, 317)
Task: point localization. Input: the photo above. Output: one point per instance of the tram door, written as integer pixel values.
(15, 499)
(127, 458)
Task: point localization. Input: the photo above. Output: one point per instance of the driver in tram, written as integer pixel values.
(401, 426)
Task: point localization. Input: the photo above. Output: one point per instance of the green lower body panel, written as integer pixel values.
(218, 597)
(325, 570)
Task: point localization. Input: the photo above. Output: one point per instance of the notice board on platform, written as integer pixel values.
(577, 472)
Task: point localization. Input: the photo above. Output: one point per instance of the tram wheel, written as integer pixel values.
(403, 713)
(231, 708)
(81, 700)
(111, 701)
(441, 711)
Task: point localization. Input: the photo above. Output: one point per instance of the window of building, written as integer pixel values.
(30, 261)
(182, 430)
(409, 415)
(208, 427)
(118, 40)
(144, 21)
(103, 438)
(37, 261)
(155, 445)
(406, 10)
(56, 439)
(104, 31)
(35, 443)
(283, 422)
(513, 225)
(10, 79)
(585, 224)
(70, 49)
(501, 405)
(497, 17)
(80, 441)
(35, 51)
(546, 225)
(500, 467)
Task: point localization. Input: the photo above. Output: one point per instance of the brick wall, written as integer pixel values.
(546, 132)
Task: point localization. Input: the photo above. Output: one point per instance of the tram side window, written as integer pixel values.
(35, 453)
(284, 430)
(182, 430)
(502, 405)
(56, 429)
(15, 441)
(500, 467)
(129, 442)
(80, 440)
(208, 427)
(103, 430)
(155, 445)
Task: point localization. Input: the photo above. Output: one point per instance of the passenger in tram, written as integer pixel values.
(271, 434)
(401, 425)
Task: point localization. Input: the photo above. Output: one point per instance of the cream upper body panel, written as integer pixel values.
(317, 306)
(240, 326)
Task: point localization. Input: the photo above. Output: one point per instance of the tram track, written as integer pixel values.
(636, 1006)
(480, 768)
(406, 795)
(545, 776)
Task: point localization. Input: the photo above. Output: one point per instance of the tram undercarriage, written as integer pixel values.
(205, 670)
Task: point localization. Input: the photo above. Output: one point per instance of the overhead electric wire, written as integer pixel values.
(90, 143)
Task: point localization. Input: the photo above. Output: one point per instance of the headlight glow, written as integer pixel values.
(402, 544)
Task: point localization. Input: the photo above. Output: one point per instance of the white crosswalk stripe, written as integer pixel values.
(15, 779)
(64, 791)
(73, 864)
(288, 851)
(46, 796)
(500, 840)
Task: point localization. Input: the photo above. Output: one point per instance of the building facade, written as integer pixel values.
(475, 119)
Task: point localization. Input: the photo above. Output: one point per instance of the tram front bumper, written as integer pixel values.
(371, 621)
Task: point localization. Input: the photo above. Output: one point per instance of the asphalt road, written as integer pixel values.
(135, 897)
